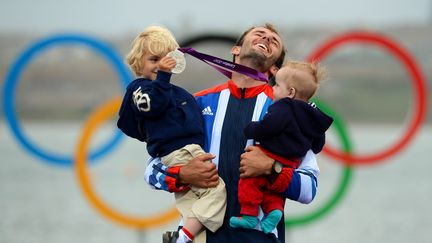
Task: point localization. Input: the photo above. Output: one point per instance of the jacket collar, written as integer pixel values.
(247, 93)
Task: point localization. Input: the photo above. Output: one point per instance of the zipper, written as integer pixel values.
(243, 92)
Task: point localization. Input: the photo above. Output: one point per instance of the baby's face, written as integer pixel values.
(282, 88)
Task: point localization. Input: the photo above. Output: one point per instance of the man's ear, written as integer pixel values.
(235, 50)
(273, 70)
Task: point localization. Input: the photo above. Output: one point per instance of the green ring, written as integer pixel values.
(346, 177)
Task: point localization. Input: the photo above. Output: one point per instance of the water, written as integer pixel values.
(388, 202)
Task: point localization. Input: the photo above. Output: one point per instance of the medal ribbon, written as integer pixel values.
(223, 66)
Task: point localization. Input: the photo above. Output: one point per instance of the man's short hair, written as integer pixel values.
(279, 62)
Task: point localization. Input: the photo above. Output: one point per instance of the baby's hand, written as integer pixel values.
(166, 64)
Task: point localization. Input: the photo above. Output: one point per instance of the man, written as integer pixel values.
(227, 109)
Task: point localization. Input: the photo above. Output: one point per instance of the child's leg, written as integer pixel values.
(190, 229)
(192, 209)
(210, 207)
(185, 200)
(200, 207)
(250, 197)
(193, 225)
(272, 205)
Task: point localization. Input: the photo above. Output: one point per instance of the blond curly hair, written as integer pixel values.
(156, 40)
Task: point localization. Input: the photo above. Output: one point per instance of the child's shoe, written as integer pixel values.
(269, 223)
(246, 222)
(170, 237)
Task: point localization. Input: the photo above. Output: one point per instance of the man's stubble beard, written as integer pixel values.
(256, 61)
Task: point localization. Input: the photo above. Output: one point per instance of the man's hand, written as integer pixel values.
(199, 172)
(255, 162)
(166, 64)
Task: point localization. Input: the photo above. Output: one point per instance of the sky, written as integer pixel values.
(122, 16)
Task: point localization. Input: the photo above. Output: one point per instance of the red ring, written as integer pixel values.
(416, 77)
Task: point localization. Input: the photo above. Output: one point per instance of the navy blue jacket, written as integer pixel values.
(290, 128)
(165, 116)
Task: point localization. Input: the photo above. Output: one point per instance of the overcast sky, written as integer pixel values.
(117, 17)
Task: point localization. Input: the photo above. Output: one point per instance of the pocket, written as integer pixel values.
(181, 112)
(187, 109)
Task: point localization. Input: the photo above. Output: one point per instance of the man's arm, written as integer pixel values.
(303, 184)
(160, 177)
(196, 172)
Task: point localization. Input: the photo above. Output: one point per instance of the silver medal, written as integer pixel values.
(180, 61)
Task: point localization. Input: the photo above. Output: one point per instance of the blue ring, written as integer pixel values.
(14, 74)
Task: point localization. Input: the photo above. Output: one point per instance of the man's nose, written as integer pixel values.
(266, 38)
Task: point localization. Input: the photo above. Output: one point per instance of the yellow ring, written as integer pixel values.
(103, 113)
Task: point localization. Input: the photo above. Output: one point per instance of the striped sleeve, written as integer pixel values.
(304, 180)
(161, 177)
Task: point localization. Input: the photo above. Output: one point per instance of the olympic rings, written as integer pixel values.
(14, 74)
(209, 37)
(346, 177)
(419, 85)
(102, 114)
(108, 109)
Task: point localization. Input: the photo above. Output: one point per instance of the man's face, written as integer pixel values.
(263, 46)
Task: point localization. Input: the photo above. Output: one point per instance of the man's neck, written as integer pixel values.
(243, 81)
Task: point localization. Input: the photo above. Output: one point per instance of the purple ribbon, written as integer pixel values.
(221, 65)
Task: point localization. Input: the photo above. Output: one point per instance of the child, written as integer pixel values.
(168, 118)
(290, 128)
